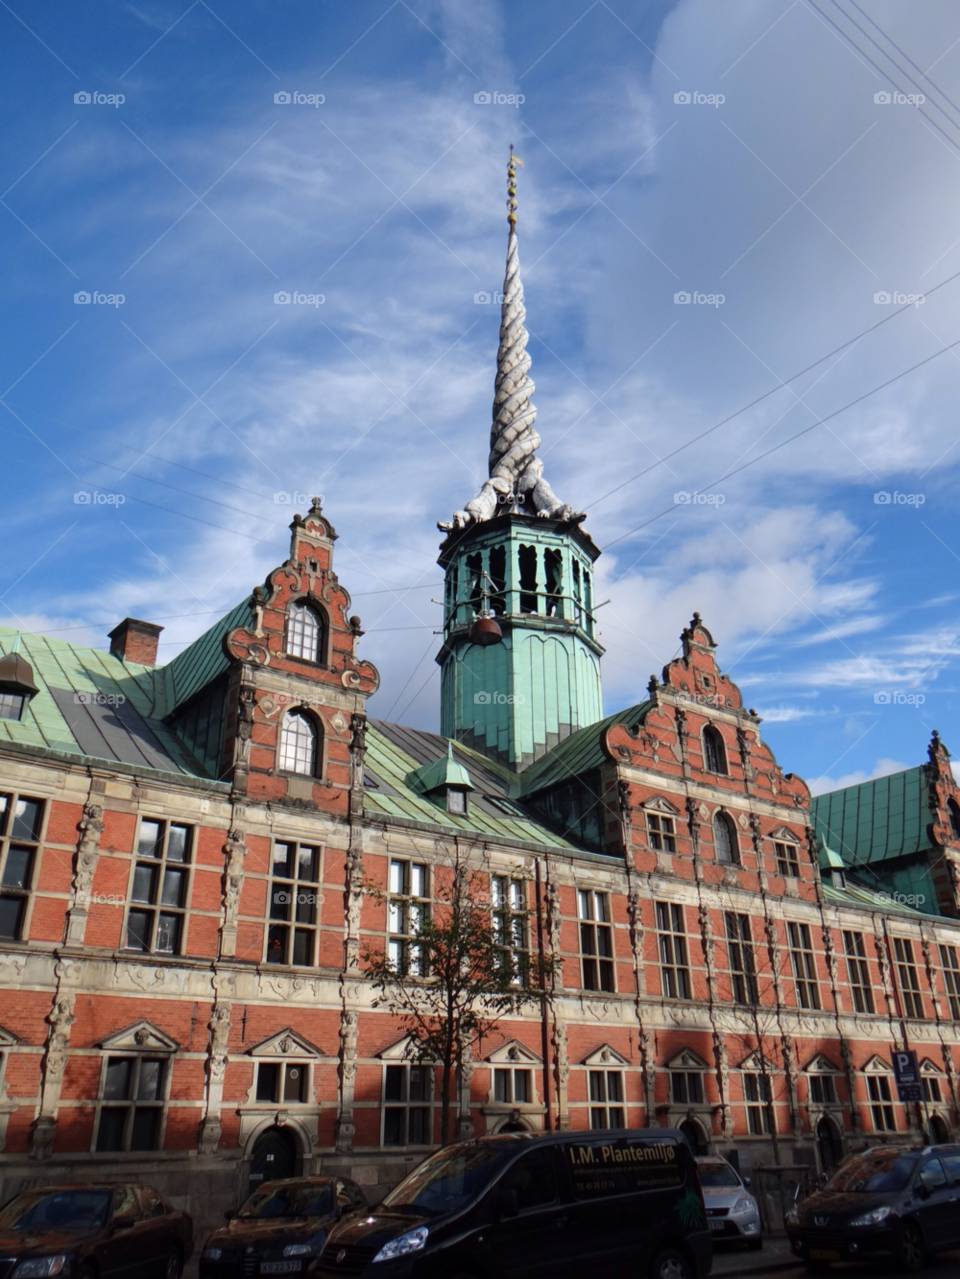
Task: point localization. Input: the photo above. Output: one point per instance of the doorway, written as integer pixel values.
(829, 1145)
(693, 1135)
(939, 1133)
(273, 1157)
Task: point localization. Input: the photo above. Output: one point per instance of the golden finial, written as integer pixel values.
(512, 188)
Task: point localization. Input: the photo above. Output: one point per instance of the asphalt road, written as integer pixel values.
(774, 1260)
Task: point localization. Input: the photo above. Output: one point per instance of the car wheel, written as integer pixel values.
(174, 1266)
(911, 1252)
(670, 1264)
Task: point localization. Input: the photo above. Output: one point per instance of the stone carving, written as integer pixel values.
(219, 1026)
(60, 1019)
(236, 851)
(88, 854)
(516, 480)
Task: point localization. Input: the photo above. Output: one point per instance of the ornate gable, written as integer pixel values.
(7, 1040)
(755, 1061)
(606, 1056)
(402, 1050)
(143, 1037)
(286, 1043)
(660, 805)
(820, 1065)
(877, 1066)
(513, 1054)
(785, 835)
(687, 1059)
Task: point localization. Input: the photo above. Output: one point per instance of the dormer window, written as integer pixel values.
(456, 801)
(306, 632)
(445, 781)
(17, 686)
(714, 751)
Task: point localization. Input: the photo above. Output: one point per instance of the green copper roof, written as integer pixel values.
(854, 894)
(202, 661)
(876, 821)
(828, 859)
(395, 751)
(443, 772)
(579, 753)
(92, 705)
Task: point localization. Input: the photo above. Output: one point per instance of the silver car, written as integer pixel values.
(732, 1211)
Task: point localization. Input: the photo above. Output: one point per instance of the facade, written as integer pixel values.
(195, 858)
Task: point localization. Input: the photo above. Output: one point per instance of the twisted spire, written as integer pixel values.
(513, 440)
(516, 480)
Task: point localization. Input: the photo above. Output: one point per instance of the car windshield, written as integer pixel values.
(56, 1210)
(717, 1174)
(450, 1179)
(882, 1170)
(289, 1201)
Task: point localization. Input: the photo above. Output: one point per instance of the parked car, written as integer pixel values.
(517, 1206)
(93, 1231)
(887, 1202)
(732, 1211)
(281, 1228)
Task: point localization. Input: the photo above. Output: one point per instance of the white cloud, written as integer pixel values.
(882, 768)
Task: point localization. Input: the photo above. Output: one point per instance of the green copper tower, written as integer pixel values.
(527, 673)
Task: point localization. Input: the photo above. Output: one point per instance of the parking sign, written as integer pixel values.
(906, 1070)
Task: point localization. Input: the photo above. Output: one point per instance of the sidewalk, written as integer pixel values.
(729, 1259)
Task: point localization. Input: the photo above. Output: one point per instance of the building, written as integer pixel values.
(187, 851)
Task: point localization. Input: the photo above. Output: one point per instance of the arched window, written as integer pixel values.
(306, 632)
(714, 752)
(953, 808)
(725, 839)
(299, 744)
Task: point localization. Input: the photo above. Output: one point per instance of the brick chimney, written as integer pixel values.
(135, 641)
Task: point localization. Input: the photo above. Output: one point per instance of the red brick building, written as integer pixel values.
(185, 852)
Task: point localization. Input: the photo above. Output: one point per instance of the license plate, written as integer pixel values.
(279, 1267)
(715, 1223)
(824, 1254)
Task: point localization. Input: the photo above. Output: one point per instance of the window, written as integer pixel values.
(931, 1089)
(512, 1086)
(788, 859)
(686, 1087)
(534, 1179)
(951, 977)
(306, 633)
(282, 1081)
(661, 832)
(823, 1089)
(758, 1098)
(674, 969)
(21, 820)
(714, 751)
(606, 1099)
(804, 966)
(510, 926)
(596, 941)
(158, 896)
(407, 1093)
(953, 812)
(743, 975)
(881, 1105)
(131, 1103)
(908, 978)
(408, 905)
(11, 705)
(725, 839)
(456, 800)
(858, 972)
(299, 744)
(294, 897)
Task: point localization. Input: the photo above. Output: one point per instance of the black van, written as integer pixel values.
(625, 1202)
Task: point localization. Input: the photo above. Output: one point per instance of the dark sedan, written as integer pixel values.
(281, 1228)
(886, 1203)
(93, 1232)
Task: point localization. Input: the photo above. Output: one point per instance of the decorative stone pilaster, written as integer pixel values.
(465, 1119)
(707, 942)
(683, 734)
(648, 1073)
(60, 1019)
(346, 1127)
(561, 1062)
(236, 850)
(743, 743)
(88, 854)
(788, 1052)
(219, 1026)
(850, 1074)
(722, 1060)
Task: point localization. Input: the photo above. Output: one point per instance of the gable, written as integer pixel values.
(286, 1043)
(402, 1050)
(687, 1060)
(660, 805)
(7, 1039)
(756, 1062)
(513, 1054)
(877, 1066)
(142, 1037)
(605, 1056)
(784, 835)
(820, 1065)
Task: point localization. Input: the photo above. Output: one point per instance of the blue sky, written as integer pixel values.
(797, 198)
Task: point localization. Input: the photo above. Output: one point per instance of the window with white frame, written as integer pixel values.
(714, 751)
(743, 972)
(21, 822)
(596, 940)
(858, 971)
(131, 1102)
(757, 1098)
(788, 859)
(510, 926)
(930, 1083)
(158, 894)
(823, 1089)
(407, 1105)
(881, 1104)
(408, 905)
(300, 744)
(294, 904)
(950, 967)
(661, 831)
(305, 632)
(725, 840)
(804, 965)
(606, 1099)
(908, 978)
(672, 945)
(513, 1085)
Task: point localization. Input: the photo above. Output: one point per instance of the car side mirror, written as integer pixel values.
(509, 1204)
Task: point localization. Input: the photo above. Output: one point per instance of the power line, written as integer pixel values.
(906, 55)
(806, 430)
(766, 395)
